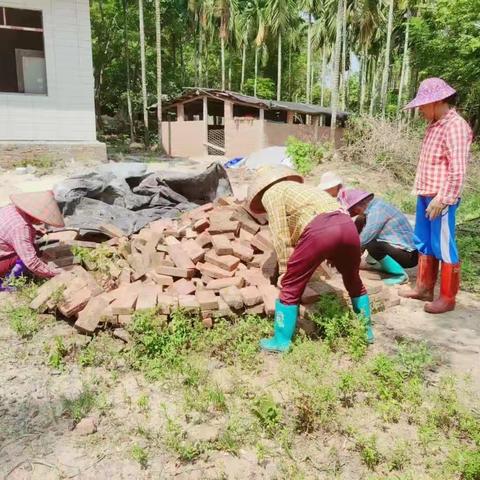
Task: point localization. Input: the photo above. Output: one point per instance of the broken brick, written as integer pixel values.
(181, 287)
(222, 245)
(204, 239)
(188, 303)
(194, 250)
(226, 262)
(147, 298)
(91, 315)
(180, 257)
(166, 303)
(251, 295)
(124, 303)
(241, 251)
(232, 297)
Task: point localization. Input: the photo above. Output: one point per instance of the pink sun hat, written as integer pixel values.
(352, 196)
(431, 90)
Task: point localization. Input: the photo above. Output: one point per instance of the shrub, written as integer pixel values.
(304, 155)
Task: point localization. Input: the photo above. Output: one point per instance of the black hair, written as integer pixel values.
(451, 100)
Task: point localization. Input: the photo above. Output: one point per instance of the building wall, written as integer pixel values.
(184, 139)
(66, 113)
(277, 133)
(243, 137)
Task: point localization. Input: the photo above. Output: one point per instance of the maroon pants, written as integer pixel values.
(7, 264)
(329, 236)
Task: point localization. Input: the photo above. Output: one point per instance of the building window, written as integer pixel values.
(22, 51)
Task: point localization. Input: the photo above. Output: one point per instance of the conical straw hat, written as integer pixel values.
(265, 178)
(39, 205)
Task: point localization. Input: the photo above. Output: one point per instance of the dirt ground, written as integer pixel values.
(37, 440)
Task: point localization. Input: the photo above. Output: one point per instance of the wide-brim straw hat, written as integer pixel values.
(431, 90)
(329, 180)
(354, 196)
(265, 178)
(41, 206)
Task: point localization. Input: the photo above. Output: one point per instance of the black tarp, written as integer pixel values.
(128, 197)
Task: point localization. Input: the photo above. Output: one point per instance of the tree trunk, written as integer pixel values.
(343, 71)
(404, 67)
(222, 55)
(308, 89)
(158, 38)
(244, 59)
(336, 68)
(127, 68)
(386, 66)
(200, 57)
(290, 70)
(373, 93)
(256, 72)
(279, 67)
(363, 78)
(143, 67)
(324, 65)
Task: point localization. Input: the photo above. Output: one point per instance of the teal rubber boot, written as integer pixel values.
(392, 267)
(362, 305)
(283, 328)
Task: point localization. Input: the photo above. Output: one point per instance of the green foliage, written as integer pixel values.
(369, 453)
(97, 259)
(26, 288)
(305, 155)
(446, 44)
(102, 350)
(23, 320)
(315, 408)
(43, 164)
(176, 441)
(57, 352)
(465, 463)
(78, 407)
(268, 413)
(205, 398)
(140, 455)
(339, 326)
(265, 87)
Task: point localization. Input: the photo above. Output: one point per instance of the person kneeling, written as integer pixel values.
(386, 235)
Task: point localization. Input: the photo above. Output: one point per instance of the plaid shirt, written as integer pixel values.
(17, 237)
(387, 224)
(291, 206)
(443, 158)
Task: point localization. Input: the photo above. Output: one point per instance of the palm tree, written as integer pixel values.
(309, 7)
(279, 14)
(336, 68)
(143, 68)
(158, 38)
(386, 66)
(223, 10)
(127, 68)
(255, 13)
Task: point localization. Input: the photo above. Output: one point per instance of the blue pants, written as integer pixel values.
(436, 237)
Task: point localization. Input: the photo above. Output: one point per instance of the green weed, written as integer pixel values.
(368, 450)
(143, 403)
(57, 352)
(78, 407)
(205, 399)
(466, 463)
(315, 408)
(400, 457)
(23, 320)
(175, 440)
(140, 455)
(102, 350)
(26, 288)
(98, 259)
(268, 413)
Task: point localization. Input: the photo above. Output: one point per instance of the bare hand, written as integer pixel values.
(280, 279)
(434, 209)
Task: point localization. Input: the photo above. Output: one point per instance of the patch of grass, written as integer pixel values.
(465, 463)
(176, 441)
(316, 408)
(43, 164)
(400, 457)
(368, 450)
(98, 259)
(143, 403)
(102, 350)
(237, 342)
(268, 414)
(23, 320)
(205, 398)
(140, 455)
(26, 288)
(236, 434)
(78, 407)
(57, 353)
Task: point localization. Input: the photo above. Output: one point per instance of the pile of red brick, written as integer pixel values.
(216, 260)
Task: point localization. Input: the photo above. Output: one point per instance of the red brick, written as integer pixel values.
(169, 241)
(176, 272)
(181, 287)
(260, 218)
(246, 224)
(218, 284)
(201, 225)
(256, 309)
(157, 259)
(227, 262)
(111, 230)
(310, 296)
(251, 296)
(241, 251)
(190, 234)
(223, 226)
(160, 280)
(200, 211)
(125, 303)
(204, 239)
(188, 303)
(207, 299)
(269, 295)
(254, 277)
(91, 315)
(246, 236)
(262, 241)
(180, 257)
(166, 303)
(233, 297)
(214, 271)
(207, 322)
(124, 320)
(160, 225)
(147, 298)
(194, 250)
(225, 201)
(221, 245)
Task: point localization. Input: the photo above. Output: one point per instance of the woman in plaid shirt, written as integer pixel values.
(438, 185)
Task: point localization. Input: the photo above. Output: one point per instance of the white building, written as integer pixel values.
(46, 81)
